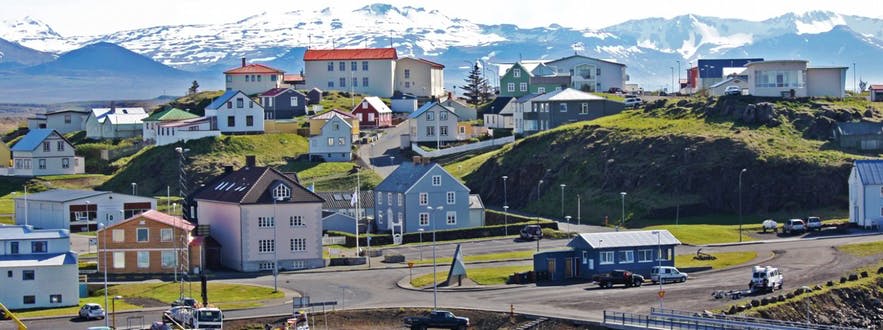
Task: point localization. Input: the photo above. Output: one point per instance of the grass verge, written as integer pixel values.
(862, 249)
(707, 234)
(482, 257)
(724, 259)
(482, 276)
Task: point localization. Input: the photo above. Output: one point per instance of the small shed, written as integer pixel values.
(314, 96)
(875, 93)
(859, 135)
(594, 253)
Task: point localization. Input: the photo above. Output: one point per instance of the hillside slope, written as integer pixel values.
(687, 153)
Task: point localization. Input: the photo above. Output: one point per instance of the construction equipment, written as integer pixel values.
(7, 313)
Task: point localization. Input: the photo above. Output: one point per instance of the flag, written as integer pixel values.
(355, 199)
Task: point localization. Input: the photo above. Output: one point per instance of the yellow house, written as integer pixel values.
(317, 121)
(5, 155)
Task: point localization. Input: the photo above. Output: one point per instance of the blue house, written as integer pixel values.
(403, 199)
(594, 253)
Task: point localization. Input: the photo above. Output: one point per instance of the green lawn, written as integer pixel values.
(862, 249)
(332, 176)
(724, 259)
(707, 234)
(478, 257)
(483, 276)
(225, 296)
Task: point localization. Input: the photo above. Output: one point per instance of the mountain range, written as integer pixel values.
(651, 47)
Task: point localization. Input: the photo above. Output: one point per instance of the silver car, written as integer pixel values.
(91, 311)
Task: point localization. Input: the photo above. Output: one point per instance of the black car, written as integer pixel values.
(532, 232)
(184, 301)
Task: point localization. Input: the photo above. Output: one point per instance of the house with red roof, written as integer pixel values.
(875, 93)
(149, 243)
(420, 77)
(253, 78)
(372, 112)
(367, 71)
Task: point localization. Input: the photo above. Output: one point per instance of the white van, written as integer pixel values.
(766, 279)
(666, 274)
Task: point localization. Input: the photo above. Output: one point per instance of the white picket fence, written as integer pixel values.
(462, 148)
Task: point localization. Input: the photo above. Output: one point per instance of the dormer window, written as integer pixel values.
(281, 192)
(516, 73)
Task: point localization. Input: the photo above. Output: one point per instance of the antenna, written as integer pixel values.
(309, 41)
(390, 38)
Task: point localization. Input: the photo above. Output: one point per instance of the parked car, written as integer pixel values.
(733, 90)
(770, 224)
(632, 101)
(184, 301)
(666, 274)
(794, 226)
(437, 319)
(813, 223)
(766, 279)
(532, 232)
(91, 311)
(614, 90)
(624, 277)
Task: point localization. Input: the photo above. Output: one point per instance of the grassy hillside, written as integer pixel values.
(687, 153)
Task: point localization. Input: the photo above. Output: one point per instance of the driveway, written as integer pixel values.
(384, 155)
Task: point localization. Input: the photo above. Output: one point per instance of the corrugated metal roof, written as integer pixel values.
(38, 260)
(33, 139)
(559, 80)
(158, 216)
(218, 102)
(627, 239)
(27, 232)
(251, 185)
(859, 128)
(870, 171)
(427, 106)
(119, 116)
(62, 195)
(169, 115)
(567, 94)
(405, 176)
(376, 103)
(336, 200)
(350, 54)
(430, 63)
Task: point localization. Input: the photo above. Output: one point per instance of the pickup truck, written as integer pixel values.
(624, 277)
(437, 319)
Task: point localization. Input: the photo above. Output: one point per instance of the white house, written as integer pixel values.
(241, 209)
(66, 121)
(253, 78)
(784, 77)
(39, 270)
(433, 122)
(500, 113)
(420, 77)
(866, 193)
(114, 123)
(175, 125)
(44, 152)
(77, 210)
(523, 104)
(334, 143)
(368, 71)
(236, 113)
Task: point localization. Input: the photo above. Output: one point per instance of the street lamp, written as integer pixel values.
(622, 220)
(659, 263)
(101, 228)
(421, 243)
(740, 202)
(562, 199)
(434, 274)
(134, 188)
(567, 218)
(114, 310)
(275, 248)
(672, 79)
(679, 75)
(539, 183)
(505, 220)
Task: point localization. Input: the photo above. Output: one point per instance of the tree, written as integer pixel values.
(193, 88)
(862, 85)
(477, 91)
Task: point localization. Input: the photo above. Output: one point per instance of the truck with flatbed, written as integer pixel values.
(437, 319)
(627, 278)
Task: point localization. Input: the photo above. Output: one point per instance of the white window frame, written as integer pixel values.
(166, 235)
(584, 108)
(451, 218)
(119, 260)
(436, 180)
(510, 87)
(296, 221)
(451, 197)
(298, 244)
(401, 199)
(626, 256)
(281, 192)
(293, 101)
(138, 234)
(522, 87)
(145, 263)
(266, 246)
(423, 198)
(645, 255)
(423, 219)
(562, 107)
(541, 90)
(167, 256)
(118, 235)
(605, 257)
(516, 73)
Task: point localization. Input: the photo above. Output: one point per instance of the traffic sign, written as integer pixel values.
(93, 241)
(661, 293)
(410, 264)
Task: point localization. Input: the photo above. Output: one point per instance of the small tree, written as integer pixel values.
(862, 85)
(476, 88)
(193, 88)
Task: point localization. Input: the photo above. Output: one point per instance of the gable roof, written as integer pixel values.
(293, 78)
(625, 239)
(186, 122)
(527, 97)
(870, 171)
(119, 116)
(558, 80)
(859, 128)
(279, 91)
(218, 102)
(376, 103)
(427, 106)
(498, 105)
(251, 185)
(253, 68)
(526, 65)
(424, 61)
(403, 177)
(38, 260)
(62, 195)
(80, 111)
(158, 216)
(568, 94)
(337, 117)
(33, 139)
(170, 115)
(350, 54)
(330, 114)
(335, 200)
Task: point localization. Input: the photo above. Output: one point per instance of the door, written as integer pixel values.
(568, 268)
(550, 267)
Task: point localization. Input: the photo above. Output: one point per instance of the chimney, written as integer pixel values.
(243, 61)
(249, 161)
(228, 169)
(450, 95)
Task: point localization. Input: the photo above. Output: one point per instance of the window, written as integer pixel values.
(240, 103)
(605, 257)
(626, 257)
(584, 109)
(266, 222)
(424, 219)
(119, 235)
(451, 197)
(8, 273)
(598, 71)
(298, 264)
(41, 163)
(281, 192)
(645, 255)
(664, 254)
(142, 235)
(342, 82)
(168, 259)
(510, 87)
(443, 115)
(296, 221)
(273, 78)
(29, 300)
(59, 145)
(330, 66)
(27, 275)
(443, 130)
(401, 199)
(259, 77)
(522, 87)
(451, 218)
(516, 73)
(340, 141)
(54, 298)
(165, 234)
(430, 131)
(229, 78)
(46, 146)
(423, 198)
(294, 101)
(365, 82)
(143, 259)
(331, 141)
(462, 129)
(354, 66)
(355, 82)
(782, 79)
(65, 163)
(407, 73)
(401, 217)
(39, 246)
(541, 90)
(436, 180)
(119, 260)
(364, 65)
(430, 116)
(407, 84)
(341, 66)
(389, 198)
(231, 121)
(380, 198)
(299, 244)
(266, 246)
(249, 121)
(330, 84)
(13, 247)
(562, 107)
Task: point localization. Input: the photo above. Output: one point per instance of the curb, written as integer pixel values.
(786, 240)
(403, 284)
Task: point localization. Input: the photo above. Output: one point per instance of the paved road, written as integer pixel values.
(379, 152)
(804, 262)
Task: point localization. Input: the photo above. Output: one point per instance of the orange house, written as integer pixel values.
(148, 243)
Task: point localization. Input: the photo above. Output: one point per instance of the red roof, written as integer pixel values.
(431, 63)
(351, 54)
(293, 78)
(159, 217)
(253, 68)
(876, 87)
(274, 91)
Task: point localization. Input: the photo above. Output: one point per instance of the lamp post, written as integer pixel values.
(679, 75)
(740, 202)
(567, 218)
(854, 88)
(421, 243)
(114, 310)
(134, 188)
(505, 220)
(539, 183)
(562, 199)
(101, 228)
(622, 220)
(672, 79)
(659, 263)
(434, 273)
(275, 248)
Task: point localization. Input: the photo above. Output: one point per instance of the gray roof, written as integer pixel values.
(870, 171)
(405, 176)
(335, 200)
(627, 239)
(527, 97)
(38, 260)
(10, 232)
(559, 80)
(859, 128)
(62, 195)
(567, 94)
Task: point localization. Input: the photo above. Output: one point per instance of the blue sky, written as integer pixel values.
(86, 17)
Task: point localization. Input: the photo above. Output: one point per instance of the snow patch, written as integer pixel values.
(708, 35)
(819, 26)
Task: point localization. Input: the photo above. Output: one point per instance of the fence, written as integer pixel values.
(673, 319)
(462, 148)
